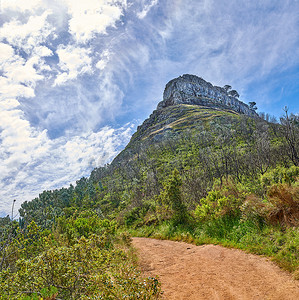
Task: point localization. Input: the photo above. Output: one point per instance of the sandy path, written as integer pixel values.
(213, 272)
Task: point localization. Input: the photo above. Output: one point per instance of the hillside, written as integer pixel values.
(203, 168)
(189, 102)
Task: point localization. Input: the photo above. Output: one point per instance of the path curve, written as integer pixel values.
(213, 272)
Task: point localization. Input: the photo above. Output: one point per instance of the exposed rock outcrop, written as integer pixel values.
(189, 104)
(193, 90)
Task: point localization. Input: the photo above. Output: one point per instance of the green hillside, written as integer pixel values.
(190, 172)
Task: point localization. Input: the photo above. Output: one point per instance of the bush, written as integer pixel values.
(79, 260)
(254, 209)
(284, 204)
(80, 271)
(222, 201)
(136, 214)
(171, 197)
(280, 175)
(86, 224)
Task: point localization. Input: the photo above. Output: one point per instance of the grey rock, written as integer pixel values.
(183, 97)
(193, 90)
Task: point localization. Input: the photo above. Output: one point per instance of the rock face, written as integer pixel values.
(189, 103)
(193, 90)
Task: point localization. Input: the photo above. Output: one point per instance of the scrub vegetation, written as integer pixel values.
(228, 179)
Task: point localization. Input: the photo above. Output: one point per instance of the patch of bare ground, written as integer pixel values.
(213, 272)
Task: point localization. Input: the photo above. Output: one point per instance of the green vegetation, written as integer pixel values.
(211, 177)
(82, 258)
(232, 217)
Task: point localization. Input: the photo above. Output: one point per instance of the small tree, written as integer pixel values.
(291, 134)
(234, 93)
(227, 87)
(172, 196)
(252, 105)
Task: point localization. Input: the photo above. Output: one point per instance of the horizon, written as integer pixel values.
(78, 78)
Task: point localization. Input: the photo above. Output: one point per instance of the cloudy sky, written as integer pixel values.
(77, 77)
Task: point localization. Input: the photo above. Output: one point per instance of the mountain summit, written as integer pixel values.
(190, 104)
(193, 90)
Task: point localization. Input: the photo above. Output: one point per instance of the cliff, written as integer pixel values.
(190, 104)
(193, 90)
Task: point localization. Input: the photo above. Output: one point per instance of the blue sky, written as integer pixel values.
(77, 77)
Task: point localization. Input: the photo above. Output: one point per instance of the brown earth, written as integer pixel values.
(213, 272)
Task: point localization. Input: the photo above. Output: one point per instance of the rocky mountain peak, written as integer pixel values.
(193, 90)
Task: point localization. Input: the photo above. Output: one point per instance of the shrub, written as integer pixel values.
(280, 175)
(136, 214)
(284, 204)
(171, 197)
(84, 269)
(86, 224)
(254, 209)
(222, 201)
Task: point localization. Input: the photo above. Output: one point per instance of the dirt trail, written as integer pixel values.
(213, 272)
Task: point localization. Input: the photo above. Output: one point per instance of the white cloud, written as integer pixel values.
(142, 14)
(19, 76)
(36, 163)
(8, 89)
(21, 5)
(9, 103)
(72, 61)
(105, 57)
(21, 72)
(25, 73)
(29, 35)
(18, 140)
(6, 52)
(43, 51)
(92, 17)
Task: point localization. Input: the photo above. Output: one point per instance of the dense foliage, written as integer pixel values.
(82, 258)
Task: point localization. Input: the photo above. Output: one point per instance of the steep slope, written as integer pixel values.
(175, 119)
(189, 102)
(190, 89)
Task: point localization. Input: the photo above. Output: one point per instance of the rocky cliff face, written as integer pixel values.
(189, 104)
(193, 90)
